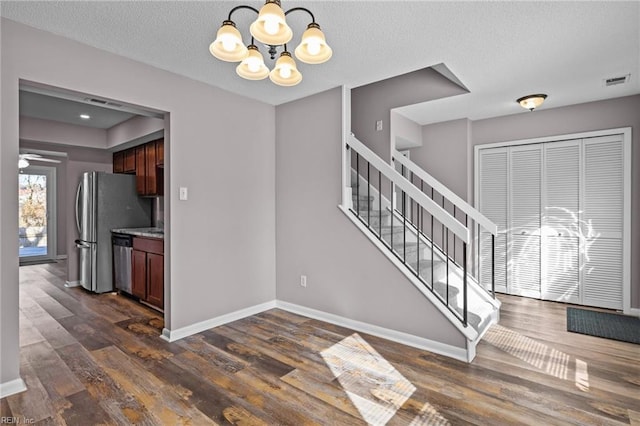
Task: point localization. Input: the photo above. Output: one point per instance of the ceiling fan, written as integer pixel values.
(24, 160)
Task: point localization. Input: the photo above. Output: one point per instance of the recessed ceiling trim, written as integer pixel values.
(91, 100)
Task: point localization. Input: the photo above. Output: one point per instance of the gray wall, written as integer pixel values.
(607, 114)
(220, 244)
(374, 102)
(405, 133)
(346, 274)
(445, 140)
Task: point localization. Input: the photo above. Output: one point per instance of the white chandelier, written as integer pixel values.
(271, 29)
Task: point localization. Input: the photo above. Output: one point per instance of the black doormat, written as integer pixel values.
(604, 324)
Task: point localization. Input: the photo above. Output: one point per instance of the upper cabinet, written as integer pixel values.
(160, 152)
(129, 162)
(118, 162)
(147, 162)
(150, 173)
(124, 161)
(141, 170)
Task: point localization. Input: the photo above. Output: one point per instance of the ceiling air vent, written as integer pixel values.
(95, 101)
(614, 81)
(103, 102)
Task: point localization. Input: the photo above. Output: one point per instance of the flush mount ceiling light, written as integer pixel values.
(271, 29)
(532, 102)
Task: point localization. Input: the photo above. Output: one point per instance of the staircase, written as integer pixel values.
(430, 231)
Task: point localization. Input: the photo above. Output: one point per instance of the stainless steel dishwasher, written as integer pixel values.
(122, 248)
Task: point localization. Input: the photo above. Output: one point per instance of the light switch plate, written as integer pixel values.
(184, 193)
(378, 125)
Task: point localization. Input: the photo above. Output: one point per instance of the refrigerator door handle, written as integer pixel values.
(81, 244)
(78, 208)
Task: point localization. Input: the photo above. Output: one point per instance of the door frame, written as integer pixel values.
(626, 223)
(51, 212)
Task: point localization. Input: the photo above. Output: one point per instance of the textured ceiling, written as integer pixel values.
(498, 50)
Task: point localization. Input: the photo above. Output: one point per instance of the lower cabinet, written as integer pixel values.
(155, 279)
(147, 270)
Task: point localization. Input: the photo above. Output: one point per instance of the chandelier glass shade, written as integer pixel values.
(285, 73)
(531, 102)
(270, 28)
(313, 48)
(228, 45)
(252, 66)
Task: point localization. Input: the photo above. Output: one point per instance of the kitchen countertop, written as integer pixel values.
(141, 232)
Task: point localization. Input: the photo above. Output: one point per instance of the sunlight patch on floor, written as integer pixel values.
(539, 355)
(634, 418)
(582, 375)
(373, 385)
(429, 416)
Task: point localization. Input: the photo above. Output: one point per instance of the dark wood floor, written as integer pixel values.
(97, 359)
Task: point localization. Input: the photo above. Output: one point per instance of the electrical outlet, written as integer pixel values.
(378, 125)
(303, 280)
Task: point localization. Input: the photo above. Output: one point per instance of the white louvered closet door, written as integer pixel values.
(493, 198)
(523, 253)
(603, 187)
(561, 222)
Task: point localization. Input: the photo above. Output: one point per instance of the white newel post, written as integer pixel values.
(347, 200)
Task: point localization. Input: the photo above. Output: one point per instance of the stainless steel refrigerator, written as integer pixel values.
(105, 201)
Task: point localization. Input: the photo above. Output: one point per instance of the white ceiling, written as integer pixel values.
(498, 50)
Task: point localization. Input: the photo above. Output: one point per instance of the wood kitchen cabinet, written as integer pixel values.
(129, 161)
(155, 279)
(147, 162)
(147, 270)
(141, 172)
(124, 161)
(139, 273)
(118, 162)
(148, 179)
(160, 152)
(151, 175)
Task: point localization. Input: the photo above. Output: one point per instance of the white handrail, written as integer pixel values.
(447, 193)
(418, 196)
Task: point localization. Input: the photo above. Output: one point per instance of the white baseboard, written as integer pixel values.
(70, 284)
(13, 387)
(180, 333)
(462, 354)
(633, 312)
(455, 352)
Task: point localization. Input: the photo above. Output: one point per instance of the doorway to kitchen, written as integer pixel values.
(37, 214)
(86, 132)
